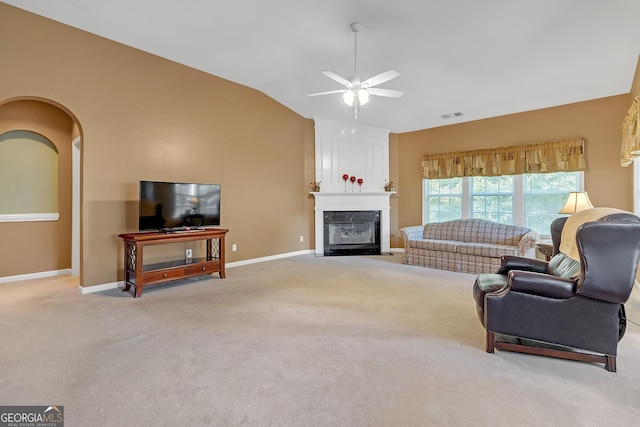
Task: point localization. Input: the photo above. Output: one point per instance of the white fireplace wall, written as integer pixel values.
(360, 151)
(346, 148)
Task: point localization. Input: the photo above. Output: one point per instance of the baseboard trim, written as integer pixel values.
(99, 288)
(268, 258)
(30, 217)
(113, 285)
(397, 250)
(30, 276)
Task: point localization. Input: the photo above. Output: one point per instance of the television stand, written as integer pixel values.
(138, 275)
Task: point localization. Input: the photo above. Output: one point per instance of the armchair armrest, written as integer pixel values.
(544, 285)
(513, 262)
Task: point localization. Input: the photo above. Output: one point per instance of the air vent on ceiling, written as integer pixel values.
(451, 115)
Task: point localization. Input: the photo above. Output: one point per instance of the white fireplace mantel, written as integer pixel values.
(353, 201)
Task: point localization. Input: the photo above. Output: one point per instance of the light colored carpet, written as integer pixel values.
(303, 341)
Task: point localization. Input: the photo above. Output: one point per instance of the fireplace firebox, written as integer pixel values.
(351, 233)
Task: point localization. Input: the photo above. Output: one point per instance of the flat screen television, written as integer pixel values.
(173, 206)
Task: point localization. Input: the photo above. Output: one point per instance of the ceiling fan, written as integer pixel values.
(357, 92)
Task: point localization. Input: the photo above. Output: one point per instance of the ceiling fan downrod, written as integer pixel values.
(355, 27)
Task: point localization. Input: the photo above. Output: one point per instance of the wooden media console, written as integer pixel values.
(138, 275)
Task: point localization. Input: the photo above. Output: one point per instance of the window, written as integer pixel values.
(443, 199)
(492, 198)
(530, 200)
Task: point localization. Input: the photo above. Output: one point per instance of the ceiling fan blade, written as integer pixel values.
(328, 93)
(380, 78)
(337, 78)
(385, 92)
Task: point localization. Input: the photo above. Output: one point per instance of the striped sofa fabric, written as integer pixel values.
(466, 245)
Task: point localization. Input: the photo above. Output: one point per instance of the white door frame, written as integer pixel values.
(75, 209)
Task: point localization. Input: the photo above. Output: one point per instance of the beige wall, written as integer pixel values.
(597, 121)
(142, 117)
(32, 247)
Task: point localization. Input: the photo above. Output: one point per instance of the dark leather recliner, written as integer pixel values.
(538, 307)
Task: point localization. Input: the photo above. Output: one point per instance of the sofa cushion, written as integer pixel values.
(476, 231)
(435, 245)
(487, 250)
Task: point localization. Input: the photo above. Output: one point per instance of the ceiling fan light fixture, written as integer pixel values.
(349, 97)
(363, 96)
(355, 95)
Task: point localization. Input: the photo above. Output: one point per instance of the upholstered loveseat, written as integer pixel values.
(466, 245)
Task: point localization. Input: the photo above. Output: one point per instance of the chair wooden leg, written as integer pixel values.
(491, 339)
(610, 363)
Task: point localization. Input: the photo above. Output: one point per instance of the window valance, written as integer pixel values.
(553, 156)
(630, 134)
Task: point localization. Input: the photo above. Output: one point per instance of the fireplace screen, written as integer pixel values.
(352, 233)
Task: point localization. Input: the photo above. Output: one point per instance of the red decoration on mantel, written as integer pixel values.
(346, 178)
(360, 181)
(353, 179)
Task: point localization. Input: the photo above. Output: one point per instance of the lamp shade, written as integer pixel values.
(363, 96)
(577, 201)
(349, 97)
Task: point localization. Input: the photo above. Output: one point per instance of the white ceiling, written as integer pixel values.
(482, 58)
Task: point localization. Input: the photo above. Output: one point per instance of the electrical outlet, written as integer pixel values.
(301, 239)
(234, 247)
(188, 253)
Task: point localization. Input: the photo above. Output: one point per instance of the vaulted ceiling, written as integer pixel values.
(479, 58)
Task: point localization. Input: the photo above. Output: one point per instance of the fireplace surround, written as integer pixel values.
(353, 203)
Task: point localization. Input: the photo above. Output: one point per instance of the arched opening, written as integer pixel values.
(41, 247)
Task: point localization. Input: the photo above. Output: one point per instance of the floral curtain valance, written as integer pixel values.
(554, 156)
(630, 134)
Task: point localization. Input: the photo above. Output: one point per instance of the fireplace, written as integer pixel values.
(353, 205)
(351, 233)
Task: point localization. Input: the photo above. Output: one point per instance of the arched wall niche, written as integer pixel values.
(28, 177)
(35, 248)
